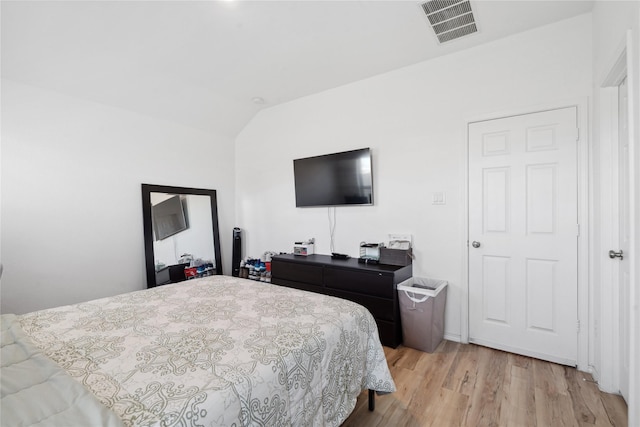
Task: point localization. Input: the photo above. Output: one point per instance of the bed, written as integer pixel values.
(218, 350)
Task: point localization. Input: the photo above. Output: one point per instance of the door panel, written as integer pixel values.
(523, 212)
(496, 199)
(541, 198)
(496, 290)
(541, 288)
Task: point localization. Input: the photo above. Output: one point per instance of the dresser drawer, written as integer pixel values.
(380, 308)
(363, 282)
(296, 272)
(297, 285)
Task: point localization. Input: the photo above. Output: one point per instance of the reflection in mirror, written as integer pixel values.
(181, 233)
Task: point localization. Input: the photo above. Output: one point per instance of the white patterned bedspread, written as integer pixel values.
(218, 351)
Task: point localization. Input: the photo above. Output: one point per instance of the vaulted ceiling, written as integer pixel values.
(202, 63)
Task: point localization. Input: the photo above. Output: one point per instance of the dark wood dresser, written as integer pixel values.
(371, 285)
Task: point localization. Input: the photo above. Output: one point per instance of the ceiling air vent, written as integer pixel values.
(450, 19)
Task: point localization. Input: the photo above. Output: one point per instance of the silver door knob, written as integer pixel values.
(475, 244)
(613, 254)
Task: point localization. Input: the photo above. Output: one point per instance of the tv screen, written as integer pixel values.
(334, 179)
(168, 218)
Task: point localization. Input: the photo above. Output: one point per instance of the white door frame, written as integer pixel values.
(610, 346)
(583, 153)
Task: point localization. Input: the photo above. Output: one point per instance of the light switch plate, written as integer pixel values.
(439, 198)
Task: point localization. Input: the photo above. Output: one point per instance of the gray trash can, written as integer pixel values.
(422, 304)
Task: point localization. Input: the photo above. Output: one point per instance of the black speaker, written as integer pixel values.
(237, 252)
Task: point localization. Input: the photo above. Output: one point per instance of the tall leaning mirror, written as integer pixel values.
(181, 239)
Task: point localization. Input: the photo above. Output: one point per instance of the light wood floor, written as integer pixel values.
(469, 385)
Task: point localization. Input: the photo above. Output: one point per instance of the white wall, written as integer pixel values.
(414, 119)
(71, 195)
(611, 23)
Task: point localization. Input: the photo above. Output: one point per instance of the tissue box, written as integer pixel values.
(303, 249)
(399, 257)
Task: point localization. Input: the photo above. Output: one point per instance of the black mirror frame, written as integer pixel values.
(147, 189)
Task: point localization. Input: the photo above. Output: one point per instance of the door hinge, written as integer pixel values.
(577, 134)
(578, 325)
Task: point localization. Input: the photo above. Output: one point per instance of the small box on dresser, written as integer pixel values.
(399, 257)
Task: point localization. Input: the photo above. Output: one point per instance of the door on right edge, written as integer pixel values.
(523, 233)
(624, 236)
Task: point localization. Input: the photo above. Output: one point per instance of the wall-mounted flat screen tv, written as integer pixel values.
(334, 179)
(168, 218)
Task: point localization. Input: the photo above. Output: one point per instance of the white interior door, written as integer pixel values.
(624, 226)
(523, 232)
